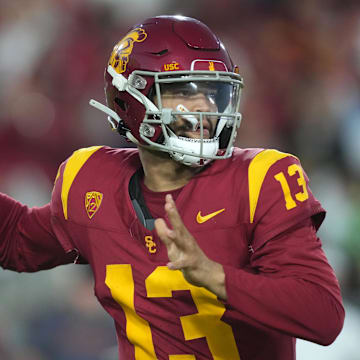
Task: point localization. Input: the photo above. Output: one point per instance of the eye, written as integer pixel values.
(211, 93)
(184, 93)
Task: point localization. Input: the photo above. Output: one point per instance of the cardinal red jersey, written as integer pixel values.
(234, 208)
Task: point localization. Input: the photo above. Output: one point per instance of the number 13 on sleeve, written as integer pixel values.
(301, 196)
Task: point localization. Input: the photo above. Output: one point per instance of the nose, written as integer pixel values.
(200, 103)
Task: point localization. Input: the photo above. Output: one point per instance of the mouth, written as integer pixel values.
(189, 125)
(197, 133)
(187, 130)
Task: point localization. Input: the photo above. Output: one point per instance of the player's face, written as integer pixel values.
(191, 98)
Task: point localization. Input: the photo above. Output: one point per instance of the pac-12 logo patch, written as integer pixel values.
(92, 202)
(123, 49)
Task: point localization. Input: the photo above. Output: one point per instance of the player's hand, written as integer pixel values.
(185, 254)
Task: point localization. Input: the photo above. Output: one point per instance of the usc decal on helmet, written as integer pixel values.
(123, 49)
(172, 66)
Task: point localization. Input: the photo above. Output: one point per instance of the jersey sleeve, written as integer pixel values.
(289, 287)
(27, 241)
(279, 196)
(288, 284)
(61, 219)
(59, 215)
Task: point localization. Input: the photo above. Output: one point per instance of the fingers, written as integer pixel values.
(173, 214)
(165, 234)
(178, 241)
(177, 264)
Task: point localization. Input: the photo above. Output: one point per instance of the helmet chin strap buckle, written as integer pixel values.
(113, 118)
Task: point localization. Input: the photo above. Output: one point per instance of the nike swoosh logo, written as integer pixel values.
(201, 219)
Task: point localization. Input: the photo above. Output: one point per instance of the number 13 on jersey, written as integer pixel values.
(301, 196)
(206, 323)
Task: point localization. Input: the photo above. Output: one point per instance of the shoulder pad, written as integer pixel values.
(257, 171)
(71, 168)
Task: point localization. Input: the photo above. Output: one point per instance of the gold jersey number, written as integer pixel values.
(301, 196)
(206, 323)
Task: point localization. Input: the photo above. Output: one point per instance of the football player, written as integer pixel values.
(199, 250)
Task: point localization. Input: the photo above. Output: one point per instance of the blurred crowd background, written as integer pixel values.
(301, 65)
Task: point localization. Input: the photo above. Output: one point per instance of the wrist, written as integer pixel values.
(216, 282)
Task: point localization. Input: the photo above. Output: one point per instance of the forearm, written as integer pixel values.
(27, 242)
(10, 214)
(294, 306)
(290, 287)
(214, 280)
(298, 307)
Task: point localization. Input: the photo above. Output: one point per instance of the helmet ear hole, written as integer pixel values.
(122, 104)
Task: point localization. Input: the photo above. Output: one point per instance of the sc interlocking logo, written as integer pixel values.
(150, 244)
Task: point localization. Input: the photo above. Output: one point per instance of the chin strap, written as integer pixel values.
(113, 118)
(122, 84)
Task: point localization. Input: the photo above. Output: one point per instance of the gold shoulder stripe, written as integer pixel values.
(57, 175)
(257, 171)
(72, 167)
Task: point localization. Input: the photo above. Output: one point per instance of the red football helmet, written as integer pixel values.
(173, 55)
